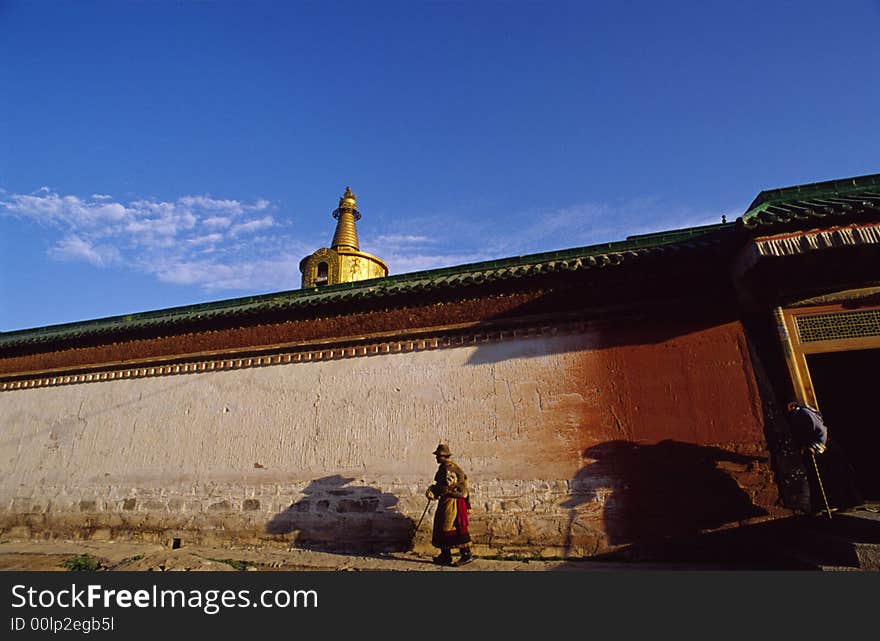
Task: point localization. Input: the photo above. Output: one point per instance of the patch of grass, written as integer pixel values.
(130, 559)
(81, 563)
(509, 557)
(234, 563)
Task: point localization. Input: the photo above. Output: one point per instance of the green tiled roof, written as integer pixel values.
(826, 201)
(569, 260)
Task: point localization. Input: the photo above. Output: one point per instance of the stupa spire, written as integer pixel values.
(346, 215)
(343, 261)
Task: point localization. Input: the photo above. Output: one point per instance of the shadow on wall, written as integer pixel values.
(644, 303)
(334, 516)
(599, 338)
(655, 494)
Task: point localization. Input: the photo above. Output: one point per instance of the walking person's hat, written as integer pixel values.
(442, 450)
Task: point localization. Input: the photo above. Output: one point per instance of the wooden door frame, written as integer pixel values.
(790, 323)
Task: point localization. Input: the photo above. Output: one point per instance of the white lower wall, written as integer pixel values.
(338, 451)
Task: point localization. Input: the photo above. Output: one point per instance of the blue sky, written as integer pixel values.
(155, 154)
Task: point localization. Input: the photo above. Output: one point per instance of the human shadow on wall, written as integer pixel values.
(657, 496)
(335, 516)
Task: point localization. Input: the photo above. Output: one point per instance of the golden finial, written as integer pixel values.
(348, 199)
(348, 203)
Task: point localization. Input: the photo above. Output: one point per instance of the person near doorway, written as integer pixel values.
(829, 470)
(450, 490)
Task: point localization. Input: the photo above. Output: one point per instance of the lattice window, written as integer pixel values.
(843, 325)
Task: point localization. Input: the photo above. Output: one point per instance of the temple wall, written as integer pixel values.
(574, 444)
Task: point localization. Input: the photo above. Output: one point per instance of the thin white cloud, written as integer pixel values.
(402, 239)
(465, 238)
(206, 203)
(404, 263)
(194, 240)
(405, 252)
(74, 248)
(269, 274)
(593, 223)
(251, 226)
(217, 222)
(209, 239)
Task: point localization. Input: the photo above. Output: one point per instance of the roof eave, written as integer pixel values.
(575, 259)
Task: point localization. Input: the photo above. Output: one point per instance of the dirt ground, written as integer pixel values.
(29, 555)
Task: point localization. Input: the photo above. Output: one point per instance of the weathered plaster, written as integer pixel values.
(337, 453)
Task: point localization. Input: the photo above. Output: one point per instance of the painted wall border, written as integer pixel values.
(192, 364)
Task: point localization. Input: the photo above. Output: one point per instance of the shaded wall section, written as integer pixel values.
(310, 453)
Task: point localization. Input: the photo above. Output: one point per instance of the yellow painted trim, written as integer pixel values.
(796, 352)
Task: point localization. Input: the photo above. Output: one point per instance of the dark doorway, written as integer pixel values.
(846, 390)
(323, 271)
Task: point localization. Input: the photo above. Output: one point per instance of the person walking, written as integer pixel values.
(839, 490)
(450, 490)
(809, 427)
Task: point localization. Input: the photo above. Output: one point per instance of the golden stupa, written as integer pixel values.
(343, 261)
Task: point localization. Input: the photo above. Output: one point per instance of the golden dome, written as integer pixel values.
(343, 261)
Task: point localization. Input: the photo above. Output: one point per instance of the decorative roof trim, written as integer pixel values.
(481, 334)
(818, 239)
(802, 242)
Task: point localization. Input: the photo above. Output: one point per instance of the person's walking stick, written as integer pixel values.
(423, 516)
(819, 478)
